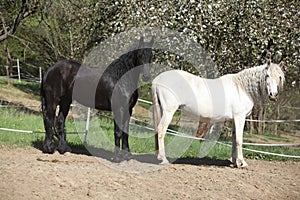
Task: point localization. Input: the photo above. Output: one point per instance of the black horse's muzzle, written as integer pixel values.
(146, 77)
(146, 72)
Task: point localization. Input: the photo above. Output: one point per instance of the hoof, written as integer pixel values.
(127, 155)
(244, 164)
(67, 154)
(241, 164)
(48, 148)
(121, 155)
(164, 162)
(63, 149)
(117, 156)
(163, 159)
(159, 157)
(117, 159)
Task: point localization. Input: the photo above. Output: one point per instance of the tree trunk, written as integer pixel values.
(202, 129)
(72, 45)
(255, 116)
(260, 125)
(8, 64)
(277, 114)
(251, 125)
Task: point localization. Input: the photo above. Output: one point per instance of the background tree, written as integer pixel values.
(11, 15)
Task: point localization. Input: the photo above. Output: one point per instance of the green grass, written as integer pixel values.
(278, 150)
(28, 87)
(278, 138)
(14, 119)
(140, 140)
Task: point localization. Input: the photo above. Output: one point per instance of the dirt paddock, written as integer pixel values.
(26, 173)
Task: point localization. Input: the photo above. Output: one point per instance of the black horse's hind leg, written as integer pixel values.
(60, 124)
(49, 117)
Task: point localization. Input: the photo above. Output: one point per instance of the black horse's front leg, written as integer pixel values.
(121, 129)
(125, 125)
(117, 134)
(125, 145)
(122, 110)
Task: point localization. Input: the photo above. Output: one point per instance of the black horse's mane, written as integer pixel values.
(115, 70)
(122, 65)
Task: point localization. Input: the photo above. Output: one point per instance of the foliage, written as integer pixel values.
(237, 34)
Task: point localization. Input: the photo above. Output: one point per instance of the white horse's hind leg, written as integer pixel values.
(239, 128)
(162, 129)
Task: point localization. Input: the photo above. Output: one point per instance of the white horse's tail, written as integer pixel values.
(156, 114)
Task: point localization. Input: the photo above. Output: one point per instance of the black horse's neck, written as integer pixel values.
(123, 65)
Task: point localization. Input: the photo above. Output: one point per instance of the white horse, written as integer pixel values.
(231, 96)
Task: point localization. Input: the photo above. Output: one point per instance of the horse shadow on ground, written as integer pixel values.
(81, 149)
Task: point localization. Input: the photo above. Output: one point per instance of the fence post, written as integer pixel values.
(40, 70)
(87, 125)
(18, 66)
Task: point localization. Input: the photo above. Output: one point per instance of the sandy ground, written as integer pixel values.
(27, 173)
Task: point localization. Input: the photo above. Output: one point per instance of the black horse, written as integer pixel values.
(113, 89)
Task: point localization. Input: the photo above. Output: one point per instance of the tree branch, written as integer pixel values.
(24, 12)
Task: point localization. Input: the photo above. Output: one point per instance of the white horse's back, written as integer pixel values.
(202, 98)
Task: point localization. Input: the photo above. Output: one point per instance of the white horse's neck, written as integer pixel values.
(252, 82)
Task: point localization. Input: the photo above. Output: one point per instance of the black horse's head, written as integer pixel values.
(144, 56)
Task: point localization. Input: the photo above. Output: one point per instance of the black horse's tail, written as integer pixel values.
(43, 98)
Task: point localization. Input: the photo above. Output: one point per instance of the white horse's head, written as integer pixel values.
(274, 79)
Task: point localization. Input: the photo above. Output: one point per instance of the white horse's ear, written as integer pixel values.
(268, 63)
(282, 65)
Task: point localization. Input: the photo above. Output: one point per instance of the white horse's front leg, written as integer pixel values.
(233, 148)
(239, 123)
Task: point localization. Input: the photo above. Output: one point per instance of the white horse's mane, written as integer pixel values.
(252, 80)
